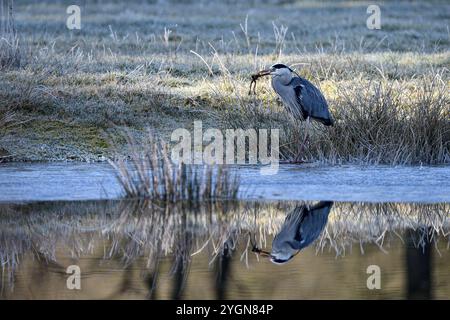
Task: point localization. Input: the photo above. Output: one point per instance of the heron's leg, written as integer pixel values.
(298, 157)
(308, 129)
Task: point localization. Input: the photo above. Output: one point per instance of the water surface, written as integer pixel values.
(308, 232)
(94, 181)
(145, 250)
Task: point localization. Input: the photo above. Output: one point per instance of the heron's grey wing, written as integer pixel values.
(313, 223)
(312, 101)
(285, 240)
(290, 99)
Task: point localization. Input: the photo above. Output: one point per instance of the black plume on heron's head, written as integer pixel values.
(281, 66)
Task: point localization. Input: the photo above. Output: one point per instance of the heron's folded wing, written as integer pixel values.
(310, 98)
(313, 223)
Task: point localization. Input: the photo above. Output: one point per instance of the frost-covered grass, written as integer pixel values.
(137, 65)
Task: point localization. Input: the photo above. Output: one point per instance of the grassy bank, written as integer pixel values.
(135, 66)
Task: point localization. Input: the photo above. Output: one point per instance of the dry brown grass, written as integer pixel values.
(151, 174)
(10, 50)
(377, 122)
(6, 120)
(387, 122)
(134, 66)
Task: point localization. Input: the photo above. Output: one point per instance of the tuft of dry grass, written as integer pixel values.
(385, 122)
(10, 51)
(6, 120)
(151, 174)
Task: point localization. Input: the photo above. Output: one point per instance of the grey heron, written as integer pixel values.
(301, 227)
(302, 99)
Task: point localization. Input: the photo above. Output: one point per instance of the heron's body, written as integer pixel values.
(300, 97)
(301, 227)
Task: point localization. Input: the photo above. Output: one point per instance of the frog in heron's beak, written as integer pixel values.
(258, 75)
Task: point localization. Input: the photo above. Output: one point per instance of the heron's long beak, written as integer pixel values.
(263, 73)
(261, 252)
(265, 254)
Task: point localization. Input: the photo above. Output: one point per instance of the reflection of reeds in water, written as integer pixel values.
(128, 230)
(151, 174)
(360, 223)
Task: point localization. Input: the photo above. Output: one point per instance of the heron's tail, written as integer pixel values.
(329, 122)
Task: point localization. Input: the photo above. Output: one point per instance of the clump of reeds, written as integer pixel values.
(10, 51)
(377, 122)
(150, 173)
(7, 119)
(386, 123)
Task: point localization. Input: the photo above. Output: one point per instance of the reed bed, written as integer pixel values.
(7, 120)
(151, 174)
(377, 122)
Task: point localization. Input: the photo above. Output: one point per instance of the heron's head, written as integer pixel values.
(275, 257)
(282, 257)
(278, 70)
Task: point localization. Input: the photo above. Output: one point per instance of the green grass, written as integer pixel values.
(126, 70)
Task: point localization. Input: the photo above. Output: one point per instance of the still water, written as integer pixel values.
(229, 250)
(96, 181)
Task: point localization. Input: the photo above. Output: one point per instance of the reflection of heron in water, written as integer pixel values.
(301, 227)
